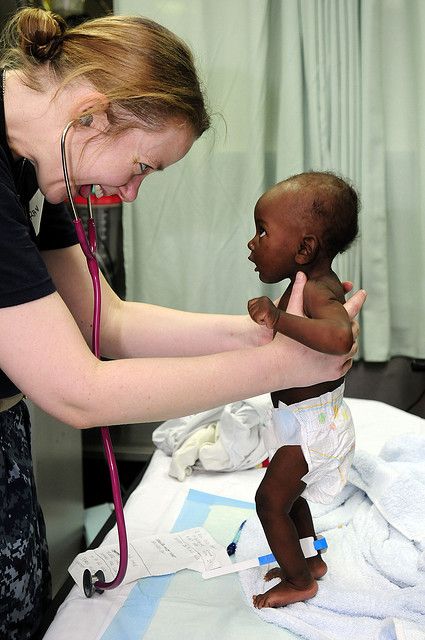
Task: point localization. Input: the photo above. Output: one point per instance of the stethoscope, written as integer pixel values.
(96, 583)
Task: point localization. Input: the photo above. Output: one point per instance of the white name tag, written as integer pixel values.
(36, 209)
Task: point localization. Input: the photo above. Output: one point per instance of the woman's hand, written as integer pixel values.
(317, 367)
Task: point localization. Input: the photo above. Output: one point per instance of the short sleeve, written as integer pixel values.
(57, 229)
(23, 274)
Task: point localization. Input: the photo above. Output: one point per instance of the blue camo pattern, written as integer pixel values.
(25, 585)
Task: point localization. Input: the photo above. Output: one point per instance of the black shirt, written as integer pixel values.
(23, 274)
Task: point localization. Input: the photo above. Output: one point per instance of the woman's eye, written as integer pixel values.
(144, 167)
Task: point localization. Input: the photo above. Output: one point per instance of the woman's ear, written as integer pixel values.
(91, 111)
(307, 250)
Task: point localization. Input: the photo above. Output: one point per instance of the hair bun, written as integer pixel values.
(40, 33)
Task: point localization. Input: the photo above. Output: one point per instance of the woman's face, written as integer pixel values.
(118, 165)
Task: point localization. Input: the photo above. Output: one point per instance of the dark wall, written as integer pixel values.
(92, 8)
(393, 382)
(7, 9)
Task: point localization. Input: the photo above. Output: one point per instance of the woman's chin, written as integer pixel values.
(55, 196)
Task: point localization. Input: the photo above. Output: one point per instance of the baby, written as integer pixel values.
(301, 224)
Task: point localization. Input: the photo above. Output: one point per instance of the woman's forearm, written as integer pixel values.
(52, 365)
(155, 389)
(131, 329)
(139, 329)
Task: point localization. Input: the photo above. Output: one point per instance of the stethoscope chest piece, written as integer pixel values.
(89, 582)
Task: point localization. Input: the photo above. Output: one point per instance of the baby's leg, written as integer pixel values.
(276, 495)
(301, 517)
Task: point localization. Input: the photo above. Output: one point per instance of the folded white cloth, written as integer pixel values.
(375, 529)
(227, 438)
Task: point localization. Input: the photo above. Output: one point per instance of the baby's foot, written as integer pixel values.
(316, 565)
(284, 593)
(276, 572)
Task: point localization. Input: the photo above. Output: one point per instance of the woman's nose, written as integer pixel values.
(130, 190)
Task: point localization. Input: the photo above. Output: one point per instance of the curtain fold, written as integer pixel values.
(374, 232)
(294, 85)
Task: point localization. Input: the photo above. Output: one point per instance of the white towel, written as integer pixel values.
(227, 438)
(375, 529)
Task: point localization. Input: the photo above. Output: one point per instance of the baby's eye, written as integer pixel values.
(261, 232)
(144, 167)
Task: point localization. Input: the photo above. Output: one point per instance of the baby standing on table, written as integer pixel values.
(301, 224)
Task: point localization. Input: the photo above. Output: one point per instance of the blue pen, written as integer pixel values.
(231, 548)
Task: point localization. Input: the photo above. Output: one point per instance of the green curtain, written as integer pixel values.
(294, 85)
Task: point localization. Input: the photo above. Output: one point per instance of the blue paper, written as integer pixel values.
(135, 615)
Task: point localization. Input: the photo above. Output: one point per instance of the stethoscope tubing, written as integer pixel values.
(88, 245)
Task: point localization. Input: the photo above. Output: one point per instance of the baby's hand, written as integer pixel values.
(263, 311)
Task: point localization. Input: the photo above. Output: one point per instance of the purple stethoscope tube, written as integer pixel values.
(96, 583)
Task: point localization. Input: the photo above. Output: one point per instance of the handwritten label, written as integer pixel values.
(155, 555)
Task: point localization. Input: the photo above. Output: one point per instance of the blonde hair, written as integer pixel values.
(141, 67)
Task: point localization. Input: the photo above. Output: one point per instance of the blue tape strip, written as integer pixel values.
(320, 544)
(266, 559)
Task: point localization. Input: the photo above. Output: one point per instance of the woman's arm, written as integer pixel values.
(132, 329)
(44, 353)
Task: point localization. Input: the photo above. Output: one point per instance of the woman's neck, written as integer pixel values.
(27, 114)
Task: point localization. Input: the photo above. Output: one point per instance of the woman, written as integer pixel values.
(131, 90)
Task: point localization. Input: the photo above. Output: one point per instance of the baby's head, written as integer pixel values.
(309, 217)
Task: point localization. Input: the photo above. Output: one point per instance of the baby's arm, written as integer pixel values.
(327, 327)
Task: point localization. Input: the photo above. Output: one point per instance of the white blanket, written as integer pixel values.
(375, 586)
(228, 438)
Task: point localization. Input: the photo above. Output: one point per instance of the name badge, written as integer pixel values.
(35, 210)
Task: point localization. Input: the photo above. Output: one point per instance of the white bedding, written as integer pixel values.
(375, 529)
(154, 507)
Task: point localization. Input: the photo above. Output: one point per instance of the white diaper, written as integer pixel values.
(324, 429)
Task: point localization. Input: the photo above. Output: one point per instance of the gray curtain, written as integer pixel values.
(294, 85)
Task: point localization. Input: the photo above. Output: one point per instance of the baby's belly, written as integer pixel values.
(298, 394)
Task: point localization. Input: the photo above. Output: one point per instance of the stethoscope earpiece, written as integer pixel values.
(86, 120)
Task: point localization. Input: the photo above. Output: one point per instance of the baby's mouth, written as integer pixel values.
(251, 259)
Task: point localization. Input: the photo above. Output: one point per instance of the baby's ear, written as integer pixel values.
(307, 250)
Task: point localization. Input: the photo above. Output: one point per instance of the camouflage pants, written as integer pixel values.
(24, 571)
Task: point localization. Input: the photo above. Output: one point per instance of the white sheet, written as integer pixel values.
(157, 501)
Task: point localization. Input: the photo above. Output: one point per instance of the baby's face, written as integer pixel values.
(277, 237)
